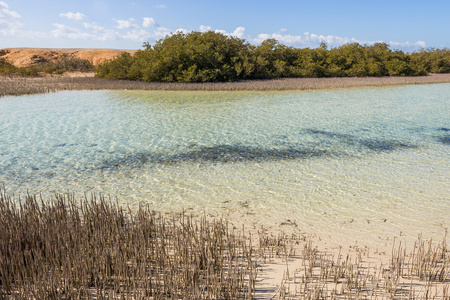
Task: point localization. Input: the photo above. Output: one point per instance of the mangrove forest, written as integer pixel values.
(215, 57)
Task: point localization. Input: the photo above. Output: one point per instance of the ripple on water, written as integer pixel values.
(330, 162)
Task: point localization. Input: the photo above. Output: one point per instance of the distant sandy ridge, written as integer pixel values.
(24, 57)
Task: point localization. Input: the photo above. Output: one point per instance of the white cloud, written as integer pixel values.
(239, 32)
(161, 32)
(139, 35)
(291, 40)
(262, 37)
(181, 30)
(161, 6)
(134, 32)
(204, 28)
(73, 16)
(127, 30)
(96, 32)
(64, 31)
(9, 21)
(417, 45)
(100, 33)
(148, 22)
(125, 24)
(5, 13)
(313, 40)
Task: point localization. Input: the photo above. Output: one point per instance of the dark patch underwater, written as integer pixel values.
(238, 153)
(371, 144)
(221, 153)
(444, 139)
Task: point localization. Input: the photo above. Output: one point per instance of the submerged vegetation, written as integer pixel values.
(215, 57)
(95, 249)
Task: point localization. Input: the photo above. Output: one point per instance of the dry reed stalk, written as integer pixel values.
(422, 273)
(93, 248)
(21, 85)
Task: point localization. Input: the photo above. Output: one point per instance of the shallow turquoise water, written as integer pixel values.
(359, 164)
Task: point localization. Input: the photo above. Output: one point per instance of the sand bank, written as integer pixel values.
(87, 81)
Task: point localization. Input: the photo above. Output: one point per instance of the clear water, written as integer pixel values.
(354, 165)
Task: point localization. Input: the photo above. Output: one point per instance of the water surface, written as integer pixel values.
(356, 164)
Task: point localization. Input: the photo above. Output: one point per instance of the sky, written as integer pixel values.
(407, 25)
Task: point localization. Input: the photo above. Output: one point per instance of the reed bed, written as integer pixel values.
(63, 248)
(94, 249)
(14, 85)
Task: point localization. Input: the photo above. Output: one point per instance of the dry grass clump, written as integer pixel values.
(22, 86)
(423, 273)
(59, 249)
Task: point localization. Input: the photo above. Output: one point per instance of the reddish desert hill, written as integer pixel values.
(23, 57)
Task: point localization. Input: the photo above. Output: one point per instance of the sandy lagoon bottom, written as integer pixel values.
(346, 166)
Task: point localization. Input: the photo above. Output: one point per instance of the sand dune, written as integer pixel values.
(23, 57)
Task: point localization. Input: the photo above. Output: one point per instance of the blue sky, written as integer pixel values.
(127, 24)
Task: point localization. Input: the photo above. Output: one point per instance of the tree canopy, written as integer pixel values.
(212, 57)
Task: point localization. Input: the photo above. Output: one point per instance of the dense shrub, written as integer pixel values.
(213, 56)
(193, 57)
(6, 67)
(50, 67)
(65, 64)
(432, 60)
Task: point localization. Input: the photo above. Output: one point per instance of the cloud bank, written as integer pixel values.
(9, 20)
(11, 27)
(313, 40)
(73, 16)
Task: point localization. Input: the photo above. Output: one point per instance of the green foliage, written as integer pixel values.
(273, 60)
(195, 57)
(28, 71)
(6, 67)
(117, 68)
(50, 67)
(432, 60)
(212, 56)
(65, 65)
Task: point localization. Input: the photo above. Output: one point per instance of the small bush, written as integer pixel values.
(49, 67)
(28, 71)
(66, 65)
(6, 68)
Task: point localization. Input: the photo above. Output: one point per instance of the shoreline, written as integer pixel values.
(272, 265)
(15, 86)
